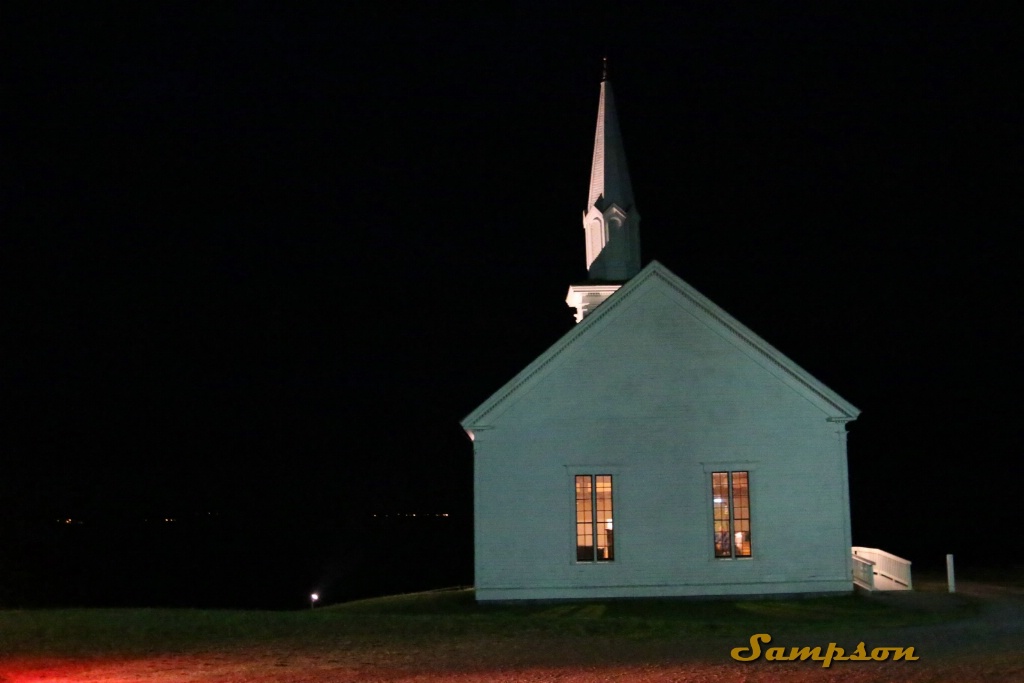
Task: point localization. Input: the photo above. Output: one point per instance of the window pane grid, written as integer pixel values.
(720, 513)
(741, 513)
(730, 492)
(605, 532)
(584, 519)
(595, 535)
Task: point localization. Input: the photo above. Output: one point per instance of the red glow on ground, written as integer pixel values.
(108, 670)
(311, 668)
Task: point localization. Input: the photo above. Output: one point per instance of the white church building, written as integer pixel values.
(660, 448)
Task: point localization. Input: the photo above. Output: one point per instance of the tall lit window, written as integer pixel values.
(730, 493)
(595, 538)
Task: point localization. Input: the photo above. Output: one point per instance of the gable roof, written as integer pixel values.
(760, 351)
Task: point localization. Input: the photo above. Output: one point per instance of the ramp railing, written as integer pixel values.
(894, 570)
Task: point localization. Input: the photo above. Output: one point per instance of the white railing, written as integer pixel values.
(895, 569)
(864, 573)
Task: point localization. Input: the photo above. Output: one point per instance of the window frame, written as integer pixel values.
(594, 509)
(730, 468)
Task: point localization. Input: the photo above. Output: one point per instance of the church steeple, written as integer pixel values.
(611, 222)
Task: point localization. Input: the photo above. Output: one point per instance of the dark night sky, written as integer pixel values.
(258, 257)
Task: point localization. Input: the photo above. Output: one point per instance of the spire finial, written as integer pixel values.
(604, 69)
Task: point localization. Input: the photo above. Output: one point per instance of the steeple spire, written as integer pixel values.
(611, 221)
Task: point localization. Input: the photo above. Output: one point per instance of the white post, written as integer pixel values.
(950, 577)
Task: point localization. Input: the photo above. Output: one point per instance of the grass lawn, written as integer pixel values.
(421, 618)
(445, 635)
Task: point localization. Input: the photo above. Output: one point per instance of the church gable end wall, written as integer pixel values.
(653, 397)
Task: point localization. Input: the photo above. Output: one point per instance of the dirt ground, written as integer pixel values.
(985, 647)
